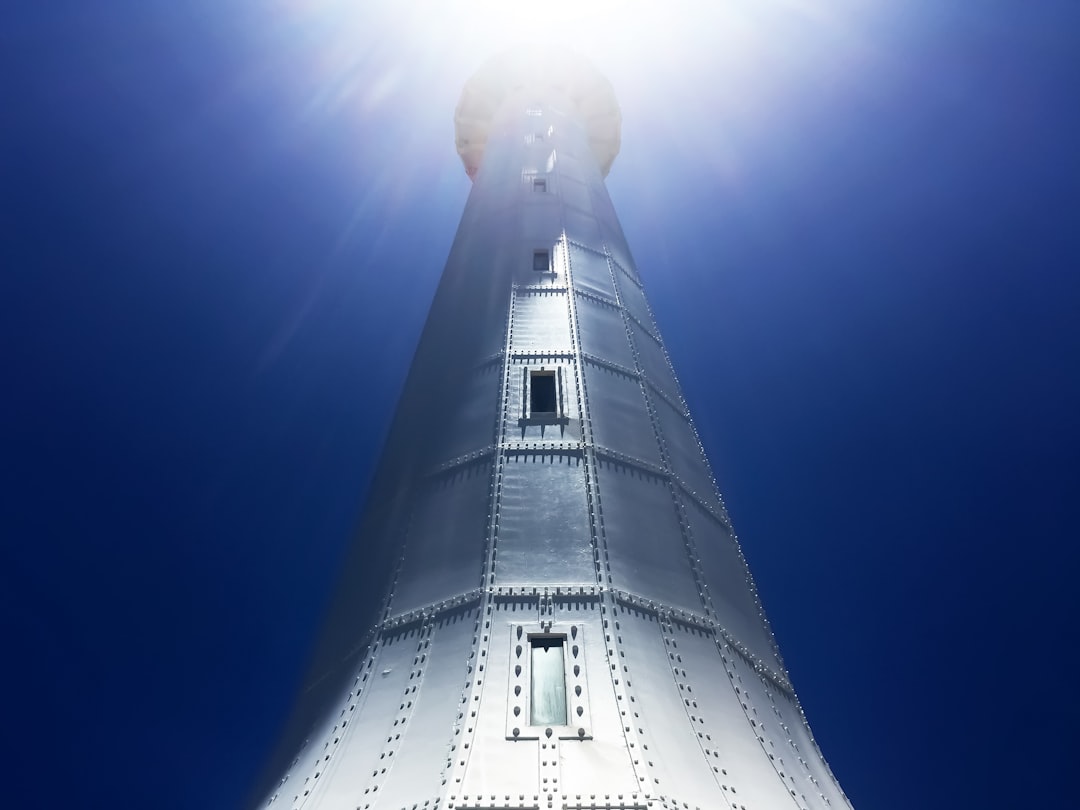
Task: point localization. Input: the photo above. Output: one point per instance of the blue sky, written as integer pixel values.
(220, 229)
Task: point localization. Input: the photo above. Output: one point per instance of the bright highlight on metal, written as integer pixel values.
(569, 621)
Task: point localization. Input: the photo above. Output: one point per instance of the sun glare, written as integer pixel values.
(701, 78)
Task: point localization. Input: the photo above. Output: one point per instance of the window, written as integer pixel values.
(533, 138)
(548, 692)
(543, 400)
(536, 112)
(539, 184)
(547, 695)
(541, 261)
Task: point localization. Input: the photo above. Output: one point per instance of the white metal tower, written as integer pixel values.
(570, 622)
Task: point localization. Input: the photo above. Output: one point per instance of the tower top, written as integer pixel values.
(543, 74)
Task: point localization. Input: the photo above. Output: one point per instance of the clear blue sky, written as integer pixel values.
(221, 225)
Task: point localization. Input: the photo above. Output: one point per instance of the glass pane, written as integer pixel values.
(548, 704)
(542, 393)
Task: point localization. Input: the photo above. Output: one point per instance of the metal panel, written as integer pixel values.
(590, 272)
(541, 322)
(646, 552)
(733, 750)
(618, 414)
(471, 424)
(756, 696)
(616, 245)
(633, 298)
(729, 584)
(357, 738)
(602, 333)
(812, 776)
(493, 764)
(684, 452)
(543, 534)
(676, 764)
(654, 362)
(604, 764)
(421, 759)
(444, 549)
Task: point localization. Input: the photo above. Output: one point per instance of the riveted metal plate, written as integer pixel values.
(618, 413)
(446, 537)
(543, 532)
(602, 332)
(730, 585)
(684, 452)
(654, 362)
(644, 537)
(541, 322)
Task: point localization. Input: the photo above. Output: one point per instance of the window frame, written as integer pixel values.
(523, 638)
(531, 417)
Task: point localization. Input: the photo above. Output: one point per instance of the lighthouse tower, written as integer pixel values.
(568, 620)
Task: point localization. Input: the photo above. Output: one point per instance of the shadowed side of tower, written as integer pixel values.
(570, 622)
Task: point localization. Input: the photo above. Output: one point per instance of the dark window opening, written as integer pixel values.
(547, 704)
(542, 393)
(541, 261)
(539, 184)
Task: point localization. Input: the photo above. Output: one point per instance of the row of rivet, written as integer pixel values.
(600, 549)
(655, 607)
(599, 552)
(692, 557)
(610, 365)
(791, 701)
(648, 389)
(543, 288)
(541, 354)
(633, 727)
(633, 731)
(429, 611)
(461, 745)
(759, 728)
(693, 711)
(560, 447)
(628, 276)
(464, 702)
(474, 689)
(332, 744)
(409, 697)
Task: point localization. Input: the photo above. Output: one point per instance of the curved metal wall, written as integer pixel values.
(543, 480)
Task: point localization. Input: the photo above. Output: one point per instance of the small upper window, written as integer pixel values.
(541, 261)
(539, 184)
(543, 399)
(534, 111)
